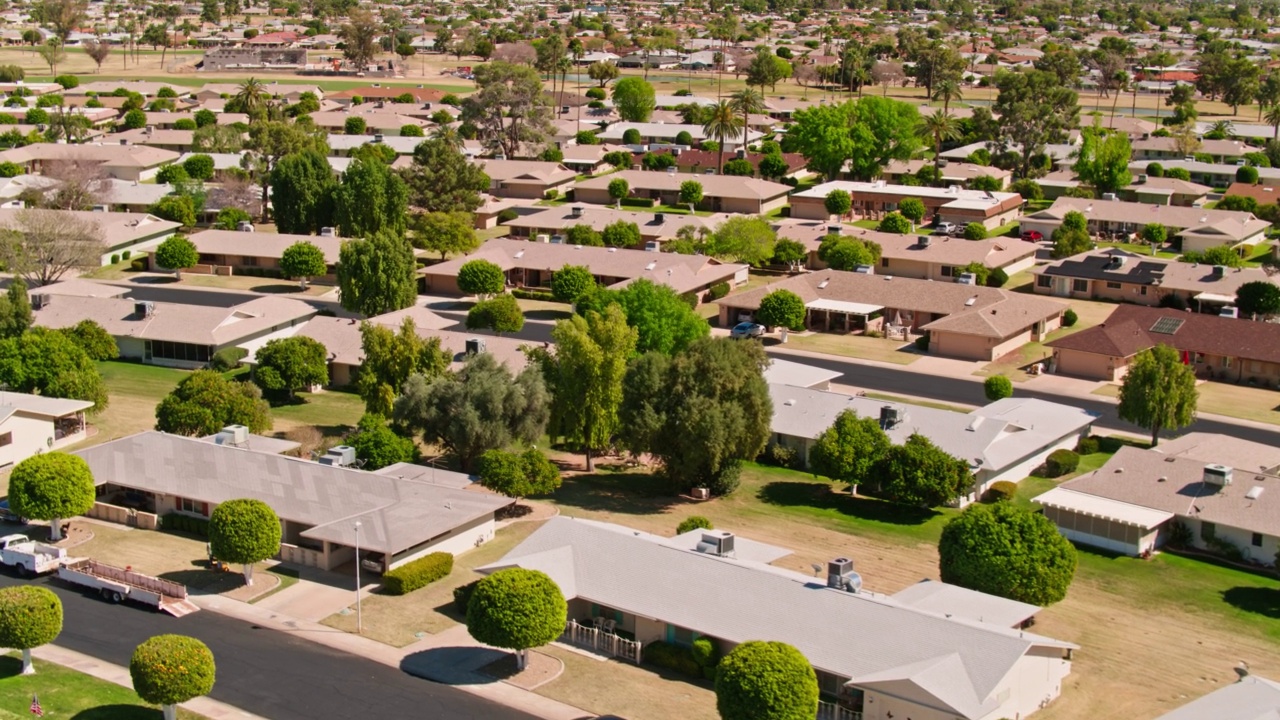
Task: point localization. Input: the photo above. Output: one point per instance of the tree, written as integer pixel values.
(572, 282)
(1155, 233)
(919, 473)
(790, 253)
(15, 310)
(663, 320)
(1103, 161)
(30, 616)
(43, 245)
(723, 123)
(303, 260)
(501, 314)
(291, 364)
(1159, 391)
(700, 413)
(97, 51)
(48, 362)
(177, 254)
(204, 402)
(619, 188)
(304, 186)
(782, 308)
(378, 446)
(743, 238)
(1006, 550)
(760, 679)
(481, 278)
(354, 125)
(251, 97)
(245, 531)
(1072, 236)
(442, 179)
(516, 609)
(912, 209)
(52, 52)
(91, 337)
(175, 208)
(745, 102)
(690, 193)
(1034, 109)
(51, 486)
(773, 166)
(895, 223)
(766, 68)
(269, 142)
(518, 475)
(942, 127)
(603, 72)
(634, 99)
(850, 450)
(171, 669)
(359, 36)
(377, 275)
(134, 119)
(391, 358)
(997, 387)
(1260, 297)
(865, 133)
(621, 234)
(509, 108)
(199, 166)
(370, 199)
(445, 232)
(838, 202)
(479, 408)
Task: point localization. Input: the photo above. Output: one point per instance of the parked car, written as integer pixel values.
(1032, 235)
(8, 515)
(745, 330)
(946, 228)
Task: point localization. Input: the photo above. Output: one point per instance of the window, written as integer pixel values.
(1256, 541)
(177, 351)
(249, 261)
(194, 507)
(1113, 286)
(1080, 286)
(6, 439)
(1143, 291)
(1226, 362)
(947, 270)
(1044, 281)
(884, 262)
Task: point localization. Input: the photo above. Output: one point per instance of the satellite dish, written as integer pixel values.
(816, 569)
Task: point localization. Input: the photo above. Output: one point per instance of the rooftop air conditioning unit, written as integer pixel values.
(834, 229)
(1219, 475)
(244, 226)
(717, 542)
(41, 300)
(659, 218)
(377, 138)
(942, 162)
(475, 345)
(99, 208)
(1229, 312)
(237, 435)
(840, 575)
(542, 238)
(557, 239)
(328, 232)
(144, 308)
(1142, 178)
(1219, 271)
(865, 270)
(1109, 196)
(967, 279)
(340, 456)
(652, 246)
(575, 211)
(890, 416)
(924, 241)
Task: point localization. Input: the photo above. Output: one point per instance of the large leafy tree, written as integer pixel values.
(171, 669)
(1072, 236)
(918, 472)
(481, 278)
(245, 531)
(442, 179)
(96, 342)
(390, 358)
(518, 475)
(379, 446)
(572, 282)
(1103, 160)
(700, 413)
(371, 199)
(481, 407)
(376, 276)
(30, 616)
(845, 252)
(509, 107)
(303, 197)
(1260, 297)
(1034, 110)
(585, 376)
(850, 450)
(1009, 551)
(359, 37)
(634, 99)
(15, 310)
(445, 232)
(303, 260)
(744, 239)
(272, 140)
(760, 679)
(865, 133)
(663, 320)
(204, 402)
(782, 308)
(51, 486)
(516, 609)
(48, 362)
(500, 313)
(291, 364)
(1159, 391)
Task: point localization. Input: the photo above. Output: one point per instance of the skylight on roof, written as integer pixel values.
(1167, 325)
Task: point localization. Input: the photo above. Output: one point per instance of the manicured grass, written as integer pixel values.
(129, 378)
(856, 346)
(329, 410)
(288, 578)
(1137, 249)
(1223, 398)
(65, 693)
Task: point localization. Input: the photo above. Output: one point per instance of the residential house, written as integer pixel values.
(927, 257)
(551, 224)
(962, 320)
(1217, 348)
(123, 162)
(370, 93)
(167, 333)
(1263, 193)
(1214, 486)
(720, 193)
(178, 141)
(1005, 440)
(245, 251)
(531, 264)
(875, 656)
(1212, 174)
(290, 93)
(1165, 191)
(120, 232)
(526, 179)
(950, 204)
(146, 88)
(586, 159)
(953, 173)
(1198, 228)
(1251, 697)
(703, 162)
(1165, 148)
(377, 122)
(1122, 276)
(32, 424)
(325, 510)
(656, 133)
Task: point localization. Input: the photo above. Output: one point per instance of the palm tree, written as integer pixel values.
(1273, 118)
(746, 102)
(1222, 126)
(1121, 81)
(448, 135)
(946, 91)
(251, 96)
(723, 122)
(941, 126)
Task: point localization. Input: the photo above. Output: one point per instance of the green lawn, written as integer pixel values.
(127, 378)
(1137, 249)
(327, 409)
(65, 693)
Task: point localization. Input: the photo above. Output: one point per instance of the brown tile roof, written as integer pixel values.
(1264, 194)
(712, 185)
(1128, 331)
(175, 322)
(993, 252)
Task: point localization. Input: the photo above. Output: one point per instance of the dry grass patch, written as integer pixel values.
(856, 346)
(619, 688)
(1237, 401)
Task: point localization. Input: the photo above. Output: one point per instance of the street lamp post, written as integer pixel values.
(359, 616)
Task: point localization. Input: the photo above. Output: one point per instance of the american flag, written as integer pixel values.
(35, 706)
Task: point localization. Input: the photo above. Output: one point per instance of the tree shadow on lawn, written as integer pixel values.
(627, 493)
(204, 579)
(821, 496)
(119, 712)
(278, 288)
(1258, 600)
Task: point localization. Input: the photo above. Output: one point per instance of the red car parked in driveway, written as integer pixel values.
(1032, 235)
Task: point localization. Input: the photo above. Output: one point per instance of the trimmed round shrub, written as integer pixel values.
(172, 669)
(719, 290)
(1060, 462)
(1087, 446)
(997, 278)
(694, 522)
(975, 231)
(418, 573)
(244, 531)
(516, 609)
(481, 277)
(51, 486)
(1247, 174)
(1155, 169)
(1001, 491)
(997, 387)
(707, 654)
(1069, 318)
(30, 616)
(1009, 551)
(771, 680)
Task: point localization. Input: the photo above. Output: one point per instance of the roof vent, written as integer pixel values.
(1218, 475)
(1255, 492)
(651, 265)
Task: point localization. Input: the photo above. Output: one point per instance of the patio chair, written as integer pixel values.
(609, 626)
(597, 622)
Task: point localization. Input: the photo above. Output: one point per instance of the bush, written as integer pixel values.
(1088, 445)
(507, 215)
(781, 456)
(975, 231)
(525, 294)
(1001, 491)
(172, 669)
(997, 278)
(417, 574)
(1110, 444)
(997, 387)
(1069, 318)
(707, 654)
(1155, 169)
(227, 358)
(1061, 462)
(718, 291)
(115, 258)
(694, 522)
(637, 202)
(1247, 174)
(672, 657)
(67, 81)
(462, 596)
(178, 523)
(125, 255)
(761, 679)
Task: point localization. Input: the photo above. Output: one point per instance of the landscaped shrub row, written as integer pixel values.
(177, 522)
(261, 272)
(417, 574)
(637, 202)
(533, 295)
(1060, 463)
(718, 291)
(227, 358)
(707, 654)
(672, 657)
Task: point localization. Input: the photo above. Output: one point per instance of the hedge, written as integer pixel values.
(1060, 463)
(177, 522)
(718, 290)
(1001, 491)
(417, 574)
(672, 657)
(637, 202)
(533, 295)
(462, 596)
(227, 358)
(1087, 445)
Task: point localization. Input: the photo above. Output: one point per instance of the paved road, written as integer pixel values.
(266, 672)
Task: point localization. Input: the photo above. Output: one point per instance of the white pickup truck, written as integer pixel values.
(30, 558)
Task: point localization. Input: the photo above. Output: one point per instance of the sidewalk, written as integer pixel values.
(94, 667)
(451, 655)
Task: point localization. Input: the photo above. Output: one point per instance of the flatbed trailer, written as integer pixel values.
(115, 584)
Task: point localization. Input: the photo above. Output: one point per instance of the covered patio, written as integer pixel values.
(843, 316)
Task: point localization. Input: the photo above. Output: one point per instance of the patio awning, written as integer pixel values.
(1105, 508)
(842, 306)
(1216, 298)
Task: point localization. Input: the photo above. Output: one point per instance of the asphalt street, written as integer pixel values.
(265, 672)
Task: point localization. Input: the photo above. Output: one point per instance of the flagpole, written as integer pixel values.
(359, 615)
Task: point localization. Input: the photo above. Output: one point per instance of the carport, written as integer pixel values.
(842, 315)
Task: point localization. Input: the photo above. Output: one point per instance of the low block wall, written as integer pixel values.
(124, 516)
